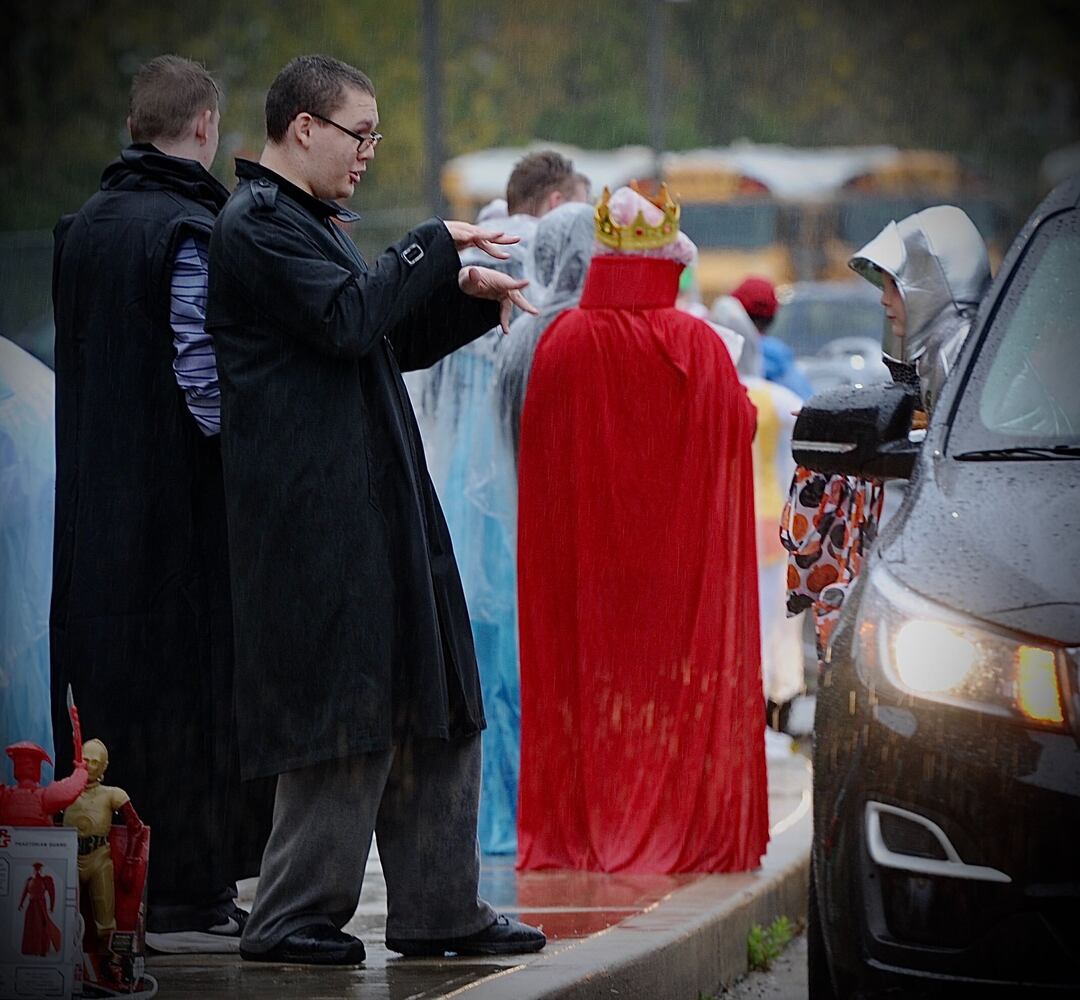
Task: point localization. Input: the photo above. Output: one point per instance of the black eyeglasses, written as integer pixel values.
(363, 141)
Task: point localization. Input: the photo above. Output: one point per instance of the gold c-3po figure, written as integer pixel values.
(91, 814)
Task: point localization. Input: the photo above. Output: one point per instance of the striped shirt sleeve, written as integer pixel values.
(196, 362)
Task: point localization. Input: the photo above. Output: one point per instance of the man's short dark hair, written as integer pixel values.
(166, 94)
(315, 84)
(534, 178)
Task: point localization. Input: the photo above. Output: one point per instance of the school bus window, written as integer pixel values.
(743, 226)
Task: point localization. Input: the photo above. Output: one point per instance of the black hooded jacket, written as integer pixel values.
(140, 622)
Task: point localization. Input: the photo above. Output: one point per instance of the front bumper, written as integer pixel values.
(995, 901)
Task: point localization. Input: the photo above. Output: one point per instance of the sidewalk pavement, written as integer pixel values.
(652, 937)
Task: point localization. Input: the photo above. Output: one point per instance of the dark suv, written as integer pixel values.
(946, 851)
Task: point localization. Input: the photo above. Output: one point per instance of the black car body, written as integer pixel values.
(946, 851)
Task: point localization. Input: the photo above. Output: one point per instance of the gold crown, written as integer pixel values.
(639, 235)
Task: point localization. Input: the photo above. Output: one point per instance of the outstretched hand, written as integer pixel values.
(485, 283)
(465, 235)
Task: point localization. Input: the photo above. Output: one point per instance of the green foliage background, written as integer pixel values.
(996, 80)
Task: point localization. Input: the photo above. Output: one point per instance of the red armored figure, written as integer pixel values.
(27, 802)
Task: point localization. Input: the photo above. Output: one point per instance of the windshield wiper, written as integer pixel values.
(1020, 453)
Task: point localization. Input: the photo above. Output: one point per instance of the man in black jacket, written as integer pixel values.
(140, 621)
(356, 677)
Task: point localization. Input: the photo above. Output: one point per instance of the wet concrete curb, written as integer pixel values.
(689, 943)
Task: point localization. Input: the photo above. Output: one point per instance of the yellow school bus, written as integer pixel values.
(763, 209)
(734, 217)
(904, 183)
(472, 180)
(784, 213)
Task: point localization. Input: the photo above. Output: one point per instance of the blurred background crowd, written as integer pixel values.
(790, 131)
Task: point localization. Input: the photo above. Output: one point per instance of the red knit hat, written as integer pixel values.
(758, 298)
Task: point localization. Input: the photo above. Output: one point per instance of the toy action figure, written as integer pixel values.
(92, 815)
(27, 803)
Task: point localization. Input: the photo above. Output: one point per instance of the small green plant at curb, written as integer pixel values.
(764, 944)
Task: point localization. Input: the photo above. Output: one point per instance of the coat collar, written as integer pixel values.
(142, 167)
(627, 282)
(250, 170)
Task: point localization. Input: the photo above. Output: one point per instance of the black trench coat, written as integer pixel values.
(350, 621)
(140, 623)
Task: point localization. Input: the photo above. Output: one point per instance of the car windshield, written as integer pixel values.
(746, 225)
(807, 325)
(1023, 390)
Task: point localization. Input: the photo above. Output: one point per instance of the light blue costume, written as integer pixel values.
(464, 406)
(453, 405)
(27, 489)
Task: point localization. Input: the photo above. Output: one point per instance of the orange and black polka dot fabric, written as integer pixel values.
(827, 526)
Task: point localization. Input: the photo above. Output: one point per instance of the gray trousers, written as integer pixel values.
(420, 799)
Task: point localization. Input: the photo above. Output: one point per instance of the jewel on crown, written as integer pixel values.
(638, 235)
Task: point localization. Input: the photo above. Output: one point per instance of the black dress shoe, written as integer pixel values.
(319, 944)
(504, 937)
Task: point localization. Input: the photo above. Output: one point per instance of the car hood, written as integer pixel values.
(996, 540)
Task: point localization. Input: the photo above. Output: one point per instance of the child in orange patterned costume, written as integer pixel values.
(827, 526)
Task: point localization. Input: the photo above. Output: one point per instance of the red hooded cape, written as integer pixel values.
(642, 723)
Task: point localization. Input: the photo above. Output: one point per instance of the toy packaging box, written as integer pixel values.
(49, 944)
(40, 930)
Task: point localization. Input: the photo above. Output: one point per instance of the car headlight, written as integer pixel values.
(928, 651)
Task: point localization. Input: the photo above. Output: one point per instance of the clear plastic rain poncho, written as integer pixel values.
(728, 312)
(782, 673)
(484, 516)
(781, 637)
(453, 405)
(27, 488)
(452, 395)
(562, 249)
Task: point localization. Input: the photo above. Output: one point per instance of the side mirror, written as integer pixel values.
(858, 431)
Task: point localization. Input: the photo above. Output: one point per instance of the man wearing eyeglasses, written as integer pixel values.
(357, 679)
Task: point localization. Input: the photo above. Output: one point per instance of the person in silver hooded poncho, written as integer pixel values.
(938, 263)
(933, 270)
